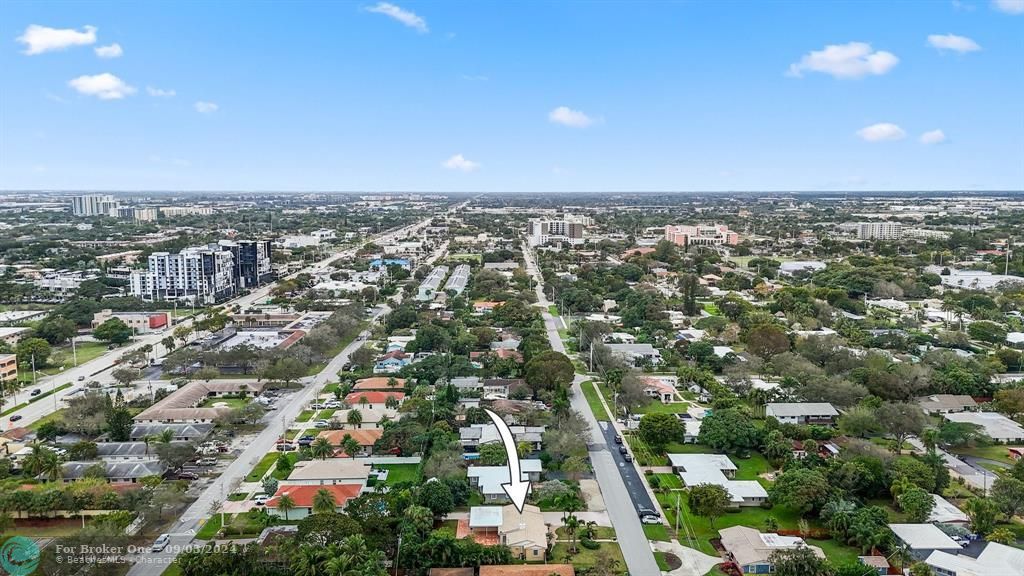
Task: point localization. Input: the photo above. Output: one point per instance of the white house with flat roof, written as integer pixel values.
(490, 478)
(717, 469)
(802, 412)
(995, 425)
(995, 559)
(923, 539)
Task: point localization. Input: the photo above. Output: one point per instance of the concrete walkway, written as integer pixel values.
(695, 562)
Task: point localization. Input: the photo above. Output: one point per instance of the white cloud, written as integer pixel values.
(206, 107)
(104, 86)
(112, 51)
(160, 92)
(568, 117)
(881, 132)
(933, 137)
(460, 163)
(410, 19)
(851, 60)
(1009, 6)
(39, 39)
(960, 44)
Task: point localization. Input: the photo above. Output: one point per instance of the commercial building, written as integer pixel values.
(139, 322)
(879, 230)
(10, 335)
(93, 205)
(185, 405)
(541, 231)
(251, 262)
(701, 235)
(8, 368)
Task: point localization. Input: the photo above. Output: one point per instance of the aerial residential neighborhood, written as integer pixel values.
(512, 288)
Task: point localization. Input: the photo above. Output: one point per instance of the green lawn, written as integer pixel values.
(280, 474)
(590, 393)
(51, 417)
(711, 308)
(753, 517)
(656, 532)
(659, 557)
(667, 480)
(645, 455)
(600, 533)
(304, 416)
(996, 452)
(837, 552)
(656, 407)
(261, 467)
(326, 414)
(210, 528)
(229, 402)
(62, 359)
(553, 310)
(237, 496)
(401, 472)
(585, 559)
(749, 468)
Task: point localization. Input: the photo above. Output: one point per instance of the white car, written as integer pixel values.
(261, 500)
(332, 405)
(161, 542)
(321, 424)
(316, 406)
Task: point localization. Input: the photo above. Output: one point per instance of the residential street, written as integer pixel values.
(636, 549)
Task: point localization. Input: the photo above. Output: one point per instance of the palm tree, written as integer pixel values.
(321, 449)
(324, 502)
(354, 418)
(285, 503)
(364, 401)
(307, 561)
(572, 524)
(43, 461)
(351, 446)
(166, 435)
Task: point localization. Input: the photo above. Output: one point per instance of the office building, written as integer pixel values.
(251, 261)
(93, 205)
(701, 235)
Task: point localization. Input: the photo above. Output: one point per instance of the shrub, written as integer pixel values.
(589, 544)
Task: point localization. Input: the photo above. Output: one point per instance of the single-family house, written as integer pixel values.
(392, 362)
(489, 479)
(821, 413)
(483, 307)
(124, 451)
(636, 354)
(752, 550)
(921, 540)
(373, 399)
(946, 403)
(180, 431)
(474, 436)
(994, 559)
(525, 533)
(995, 425)
(329, 472)
(130, 472)
(717, 469)
(945, 512)
(303, 494)
(501, 387)
(379, 383)
(662, 389)
(366, 437)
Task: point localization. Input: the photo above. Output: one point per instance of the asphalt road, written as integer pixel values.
(609, 468)
(630, 477)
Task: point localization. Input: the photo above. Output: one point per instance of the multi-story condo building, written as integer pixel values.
(93, 205)
(8, 368)
(172, 211)
(540, 231)
(701, 235)
(63, 282)
(202, 274)
(251, 261)
(137, 214)
(879, 230)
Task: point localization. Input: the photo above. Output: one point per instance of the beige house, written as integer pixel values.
(525, 534)
(329, 472)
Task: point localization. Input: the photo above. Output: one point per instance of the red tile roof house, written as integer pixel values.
(303, 497)
(374, 399)
(379, 383)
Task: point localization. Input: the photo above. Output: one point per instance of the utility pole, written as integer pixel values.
(74, 351)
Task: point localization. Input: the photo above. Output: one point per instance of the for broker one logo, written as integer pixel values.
(19, 556)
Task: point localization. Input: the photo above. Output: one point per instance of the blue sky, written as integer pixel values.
(518, 96)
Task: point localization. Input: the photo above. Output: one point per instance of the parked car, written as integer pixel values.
(161, 542)
(36, 392)
(627, 457)
(81, 378)
(650, 520)
(641, 512)
(321, 424)
(16, 417)
(285, 447)
(261, 500)
(618, 439)
(188, 476)
(207, 461)
(306, 437)
(623, 450)
(316, 406)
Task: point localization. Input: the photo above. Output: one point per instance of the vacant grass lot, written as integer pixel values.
(62, 359)
(656, 407)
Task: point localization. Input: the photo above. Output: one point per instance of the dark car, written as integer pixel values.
(623, 450)
(188, 476)
(16, 417)
(618, 439)
(642, 512)
(627, 457)
(36, 392)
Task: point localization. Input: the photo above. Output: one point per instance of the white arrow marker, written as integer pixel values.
(517, 488)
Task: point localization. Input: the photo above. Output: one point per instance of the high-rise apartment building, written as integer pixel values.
(251, 261)
(205, 274)
(701, 235)
(879, 230)
(93, 205)
(540, 231)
